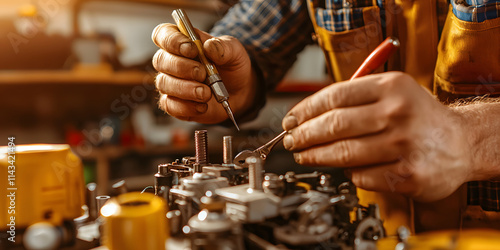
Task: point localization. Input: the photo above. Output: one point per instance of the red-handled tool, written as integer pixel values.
(378, 57)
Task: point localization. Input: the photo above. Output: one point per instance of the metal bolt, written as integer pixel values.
(101, 200)
(227, 150)
(255, 172)
(91, 199)
(120, 187)
(325, 180)
(201, 145)
(273, 184)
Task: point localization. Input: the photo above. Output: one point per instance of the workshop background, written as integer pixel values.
(79, 72)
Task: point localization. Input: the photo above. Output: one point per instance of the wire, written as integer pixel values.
(146, 188)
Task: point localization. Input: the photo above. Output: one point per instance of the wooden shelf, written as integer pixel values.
(207, 5)
(130, 77)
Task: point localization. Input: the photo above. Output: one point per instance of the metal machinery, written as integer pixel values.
(196, 205)
(229, 206)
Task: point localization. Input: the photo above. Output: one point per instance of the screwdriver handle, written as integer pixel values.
(186, 28)
(378, 57)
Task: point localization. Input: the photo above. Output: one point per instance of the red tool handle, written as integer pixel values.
(378, 57)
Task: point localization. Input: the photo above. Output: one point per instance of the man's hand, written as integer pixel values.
(181, 77)
(387, 131)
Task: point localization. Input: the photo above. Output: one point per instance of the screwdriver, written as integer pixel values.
(214, 80)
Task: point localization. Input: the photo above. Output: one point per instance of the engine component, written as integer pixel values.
(296, 211)
(135, 221)
(212, 228)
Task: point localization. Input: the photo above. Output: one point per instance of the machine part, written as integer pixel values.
(188, 194)
(252, 206)
(213, 80)
(261, 243)
(255, 172)
(45, 236)
(299, 211)
(273, 184)
(135, 221)
(212, 228)
(120, 187)
(290, 181)
(201, 146)
(287, 234)
(368, 231)
(403, 235)
(174, 219)
(325, 184)
(262, 152)
(101, 200)
(227, 151)
(163, 182)
(42, 236)
(200, 183)
(91, 201)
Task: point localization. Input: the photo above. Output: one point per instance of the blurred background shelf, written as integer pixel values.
(127, 77)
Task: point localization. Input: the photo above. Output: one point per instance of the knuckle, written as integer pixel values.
(170, 36)
(334, 97)
(344, 153)
(159, 60)
(156, 34)
(337, 124)
(309, 107)
(160, 82)
(399, 140)
(303, 137)
(397, 107)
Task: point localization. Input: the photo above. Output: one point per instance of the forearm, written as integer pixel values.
(482, 125)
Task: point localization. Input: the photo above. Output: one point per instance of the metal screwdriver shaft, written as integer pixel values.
(214, 81)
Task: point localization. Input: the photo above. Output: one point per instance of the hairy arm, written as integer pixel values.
(482, 121)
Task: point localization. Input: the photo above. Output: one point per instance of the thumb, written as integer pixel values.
(224, 50)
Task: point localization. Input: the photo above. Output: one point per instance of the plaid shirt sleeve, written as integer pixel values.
(476, 10)
(272, 31)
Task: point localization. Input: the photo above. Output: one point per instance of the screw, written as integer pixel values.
(227, 147)
(201, 145)
(255, 172)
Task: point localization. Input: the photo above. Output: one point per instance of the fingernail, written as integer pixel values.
(290, 122)
(199, 93)
(196, 74)
(296, 156)
(186, 48)
(201, 108)
(288, 141)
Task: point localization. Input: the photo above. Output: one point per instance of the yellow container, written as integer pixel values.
(46, 185)
(135, 221)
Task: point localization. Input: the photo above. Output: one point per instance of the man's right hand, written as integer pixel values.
(181, 77)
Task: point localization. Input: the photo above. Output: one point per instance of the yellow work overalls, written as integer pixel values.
(448, 56)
